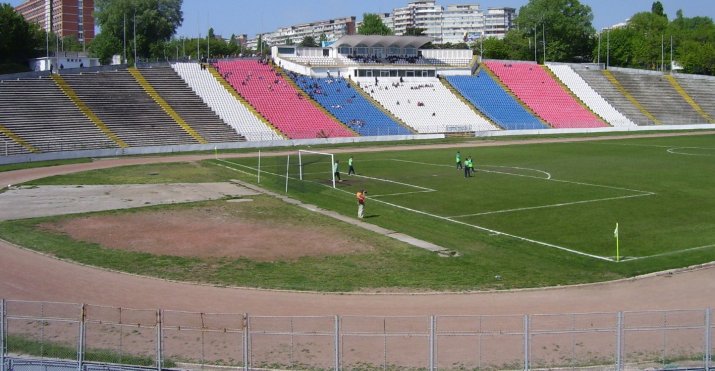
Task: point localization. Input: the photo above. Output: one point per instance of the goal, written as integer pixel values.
(316, 166)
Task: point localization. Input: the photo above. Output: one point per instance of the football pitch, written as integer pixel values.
(561, 200)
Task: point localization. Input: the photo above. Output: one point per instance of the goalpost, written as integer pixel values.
(319, 161)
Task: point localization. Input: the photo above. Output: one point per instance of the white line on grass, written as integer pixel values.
(396, 182)
(674, 149)
(669, 253)
(550, 206)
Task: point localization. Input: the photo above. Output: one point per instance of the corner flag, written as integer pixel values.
(615, 234)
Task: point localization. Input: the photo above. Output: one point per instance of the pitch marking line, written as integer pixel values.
(549, 206)
(671, 252)
(674, 149)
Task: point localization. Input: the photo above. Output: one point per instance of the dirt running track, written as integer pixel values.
(26, 275)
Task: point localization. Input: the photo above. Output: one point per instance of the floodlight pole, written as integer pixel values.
(135, 38)
(608, 49)
(598, 59)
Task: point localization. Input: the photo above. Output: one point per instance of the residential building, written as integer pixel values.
(424, 14)
(462, 23)
(498, 21)
(332, 29)
(64, 17)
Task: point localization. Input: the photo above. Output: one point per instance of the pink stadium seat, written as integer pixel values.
(278, 101)
(544, 95)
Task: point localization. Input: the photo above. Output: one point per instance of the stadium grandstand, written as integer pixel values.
(360, 86)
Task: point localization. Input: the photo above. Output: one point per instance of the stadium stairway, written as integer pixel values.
(12, 144)
(346, 103)
(588, 96)
(622, 89)
(188, 105)
(126, 109)
(424, 104)
(37, 111)
(701, 90)
(544, 95)
(674, 83)
(277, 100)
(165, 106)
(600, 83)
(70, 93)
(658, 97)
(502, 108)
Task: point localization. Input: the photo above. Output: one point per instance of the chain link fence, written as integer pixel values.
(53, 336)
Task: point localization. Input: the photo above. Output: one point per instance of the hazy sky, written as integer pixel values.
(254, 16)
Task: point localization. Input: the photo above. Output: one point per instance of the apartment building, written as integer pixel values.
(64, 17)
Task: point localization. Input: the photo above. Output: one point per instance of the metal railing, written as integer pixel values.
(84, 337)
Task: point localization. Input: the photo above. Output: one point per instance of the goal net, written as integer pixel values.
(316, 167)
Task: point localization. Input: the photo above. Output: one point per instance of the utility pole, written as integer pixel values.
(135, 38)
(608, 48)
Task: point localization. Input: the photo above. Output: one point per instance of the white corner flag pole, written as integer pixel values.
(618, 253)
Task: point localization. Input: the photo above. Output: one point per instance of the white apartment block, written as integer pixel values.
(462, 23)
(498, 21)
(454, 24)
(425, 14)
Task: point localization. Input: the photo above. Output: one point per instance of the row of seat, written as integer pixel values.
(230, 110)
(277, 100)
(544, 95)
(188, 105)
(424, 104)
(350, 107)
(589, 96)
(482, 91)
(657, 96)
(39, 113)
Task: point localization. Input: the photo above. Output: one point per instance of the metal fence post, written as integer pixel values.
(337, 343)
(3, 345)
(246, 340)
(432, 326)
(619, 342)
(159, 339)
(526, 342)
(708, 337)
(81, 342)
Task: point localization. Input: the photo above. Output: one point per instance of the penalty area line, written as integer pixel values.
(549, 206)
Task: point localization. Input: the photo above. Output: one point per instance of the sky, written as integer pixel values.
(256, 16)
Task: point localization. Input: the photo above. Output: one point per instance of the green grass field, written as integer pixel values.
(533, 215)
(566, 197)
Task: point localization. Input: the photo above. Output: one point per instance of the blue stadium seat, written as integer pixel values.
(349, 106)
(490, 98)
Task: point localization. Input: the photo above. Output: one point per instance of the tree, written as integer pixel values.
(156, 23)
(309, 42)
(19, 40)
(565, 24)
(323, 39)
(372, 25)
(657, 9)
(415, 31)
(211, 33)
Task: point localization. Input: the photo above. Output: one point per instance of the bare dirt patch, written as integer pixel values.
(206, 232)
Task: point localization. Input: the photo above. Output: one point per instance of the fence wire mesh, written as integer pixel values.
(62, 336)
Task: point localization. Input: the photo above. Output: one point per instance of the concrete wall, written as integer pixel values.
(116, 152)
